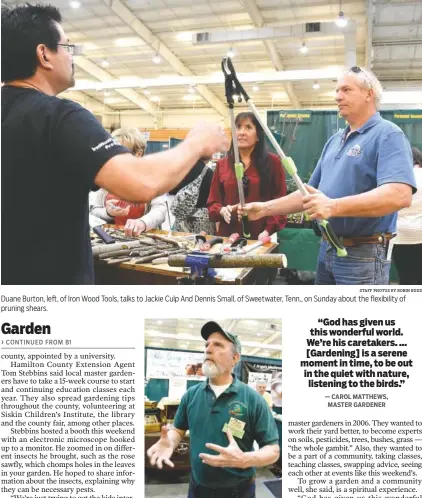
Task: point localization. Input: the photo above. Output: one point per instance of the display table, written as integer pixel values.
(148, 274)
(301, 246)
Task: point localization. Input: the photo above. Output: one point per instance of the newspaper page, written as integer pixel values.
(72, 387)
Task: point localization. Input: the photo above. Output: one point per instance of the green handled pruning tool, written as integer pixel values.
(231, 89)
(234, 87)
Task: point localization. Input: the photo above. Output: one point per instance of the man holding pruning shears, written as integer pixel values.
(364, 176)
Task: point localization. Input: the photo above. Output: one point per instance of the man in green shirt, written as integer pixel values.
(217, 412)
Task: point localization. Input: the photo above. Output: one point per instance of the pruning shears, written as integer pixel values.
(234, 87)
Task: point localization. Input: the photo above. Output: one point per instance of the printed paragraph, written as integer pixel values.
(70, 424)
(359, 458)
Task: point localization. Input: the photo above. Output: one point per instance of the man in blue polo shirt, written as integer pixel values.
(224, 417)
(364, 176)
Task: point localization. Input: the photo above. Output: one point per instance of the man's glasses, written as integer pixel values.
(357, 70)
(72, 49)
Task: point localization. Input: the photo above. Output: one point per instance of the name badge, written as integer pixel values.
(236, 427)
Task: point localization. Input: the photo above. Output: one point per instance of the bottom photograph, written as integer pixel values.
(213, 408)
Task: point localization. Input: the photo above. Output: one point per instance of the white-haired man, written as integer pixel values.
(261, 388)
(364, 176)
(218, 412)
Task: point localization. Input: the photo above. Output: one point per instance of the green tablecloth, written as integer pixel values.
(301, 247)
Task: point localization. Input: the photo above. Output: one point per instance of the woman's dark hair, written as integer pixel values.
(23, 28)
(417, 156)
(259, 154)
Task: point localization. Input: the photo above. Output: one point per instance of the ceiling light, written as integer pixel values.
(189, 97)
(304, 49)
(184, 36)
(156, 59)
(191, 326)
(155, 98)
(105, 63)
(75, 4)
(126, 42)
(191, 89)
(255, 88)
(113, 100)
(160, 322)
(341, 21)
(316, 85)
(107, 93)
(230, 53)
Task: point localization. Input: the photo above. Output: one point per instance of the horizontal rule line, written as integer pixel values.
(32, 349)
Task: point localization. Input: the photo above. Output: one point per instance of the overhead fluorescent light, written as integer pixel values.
(184, 36)
(316, 85)
(126, 42)
(75, 4)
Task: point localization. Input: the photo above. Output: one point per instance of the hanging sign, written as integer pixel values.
(302, 116)
(407, 116)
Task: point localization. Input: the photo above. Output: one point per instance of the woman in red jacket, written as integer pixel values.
(263, 180)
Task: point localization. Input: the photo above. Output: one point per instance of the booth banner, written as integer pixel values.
(261, 367)
(162, 364)
(255, 377)
(302, 116)
(251, 371)
(407, 116)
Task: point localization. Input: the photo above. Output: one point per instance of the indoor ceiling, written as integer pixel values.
(258, 337)
(121, 37)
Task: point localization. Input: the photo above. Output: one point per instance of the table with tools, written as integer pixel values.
(163, 258)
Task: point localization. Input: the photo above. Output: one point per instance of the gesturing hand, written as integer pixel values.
(210, 137)
(161, 451)
(230, 456)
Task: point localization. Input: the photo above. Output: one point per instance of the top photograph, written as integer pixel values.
(173, 142)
